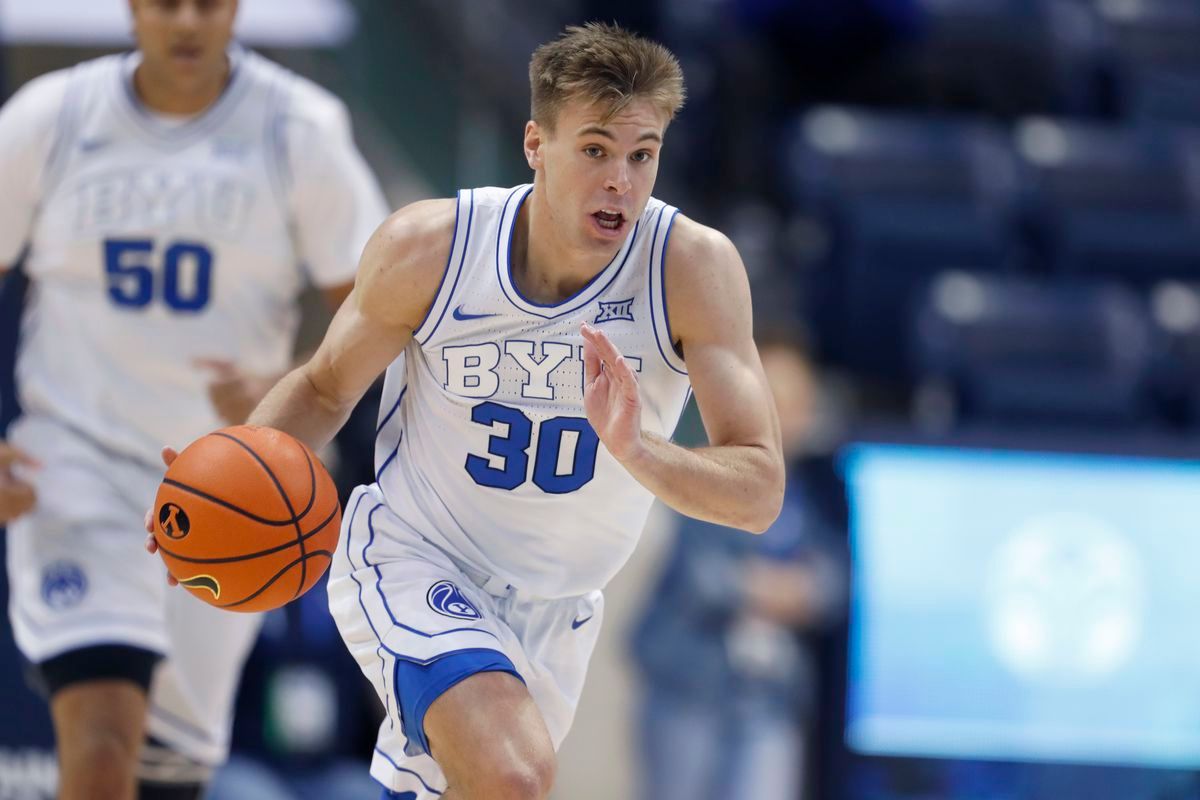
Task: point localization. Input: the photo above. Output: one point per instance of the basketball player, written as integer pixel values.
(167, 198)
(540, 343)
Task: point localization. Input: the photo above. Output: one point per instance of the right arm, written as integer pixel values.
(398, 278)
(27, 131)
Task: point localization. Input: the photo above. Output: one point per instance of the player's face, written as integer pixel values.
(599, 173)
(184, 41)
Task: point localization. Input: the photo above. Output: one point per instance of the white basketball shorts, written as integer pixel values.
(418, 621)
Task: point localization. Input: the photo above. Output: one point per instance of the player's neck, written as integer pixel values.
(545, 268)
(159, 94)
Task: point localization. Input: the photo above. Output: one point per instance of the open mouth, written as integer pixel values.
(187, 52)
(609, 220)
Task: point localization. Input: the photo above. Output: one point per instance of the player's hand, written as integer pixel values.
(785, 593)
(168, 456)
(234, 393)
(610, 394)
(16, 496)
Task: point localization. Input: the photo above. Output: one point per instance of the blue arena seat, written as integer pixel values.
(903, 197)
(1175, 313)
(1017, 350)
(1152, 50)
(1107, 201)
(1011, 57)
(1160, 32)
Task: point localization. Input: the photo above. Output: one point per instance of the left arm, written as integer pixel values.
(738, 480)
(335, 204)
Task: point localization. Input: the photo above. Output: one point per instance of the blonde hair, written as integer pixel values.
(605, 64)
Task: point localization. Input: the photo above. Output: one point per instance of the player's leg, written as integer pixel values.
(89, 617)
(80, 583)
(489, 738)
(192, 696)
(98, 707)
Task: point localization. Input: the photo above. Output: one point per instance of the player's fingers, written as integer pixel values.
(605, 349)
(626, 377)
(14, 455)
(151, 543)
(607, 352)
(172, 580)
(148, 521)
(169, 454)
(591, 359)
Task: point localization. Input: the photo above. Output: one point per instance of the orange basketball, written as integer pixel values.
(247, 518)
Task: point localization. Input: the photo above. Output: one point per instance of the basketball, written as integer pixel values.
(247, 518)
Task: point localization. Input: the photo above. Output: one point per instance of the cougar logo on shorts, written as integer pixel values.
(445, 598)
(63, 585)
(173, 521)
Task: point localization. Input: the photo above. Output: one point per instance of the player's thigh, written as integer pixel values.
(78, 582)
(486, 728)
(78, 574)
(397, 599)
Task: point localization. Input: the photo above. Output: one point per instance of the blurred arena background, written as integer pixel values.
(983, 218)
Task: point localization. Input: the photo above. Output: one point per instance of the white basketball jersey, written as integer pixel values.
(484, 446)
(157, 242)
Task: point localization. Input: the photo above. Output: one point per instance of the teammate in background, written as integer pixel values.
(540, 343)
(167, 198)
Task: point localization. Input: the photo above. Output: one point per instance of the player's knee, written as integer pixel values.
(529, 777)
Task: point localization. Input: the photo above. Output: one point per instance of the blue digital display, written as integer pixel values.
(1025, 606)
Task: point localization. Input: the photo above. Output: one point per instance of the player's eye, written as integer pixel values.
(641, 156)
(592, 151)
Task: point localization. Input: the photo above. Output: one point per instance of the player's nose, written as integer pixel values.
(187, 16)
(618, 179)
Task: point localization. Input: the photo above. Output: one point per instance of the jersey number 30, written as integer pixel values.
(549, 474)
(184, 282)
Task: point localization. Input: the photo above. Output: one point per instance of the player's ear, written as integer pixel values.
(533, 144)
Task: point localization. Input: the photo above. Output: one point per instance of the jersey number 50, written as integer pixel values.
(514, 449)
(132, 278)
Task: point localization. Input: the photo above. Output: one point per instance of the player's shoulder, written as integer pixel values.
(305, 99)
(43, 96)
(405, 260)
(705, 279)
(693, 246)
(82, 84)
(424, 219)
(484, 197)
(416, 238)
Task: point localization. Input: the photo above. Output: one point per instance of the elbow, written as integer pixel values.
(765, 506)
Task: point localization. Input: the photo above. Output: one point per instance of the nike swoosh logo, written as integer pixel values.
(580, 622)
(462, 316)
